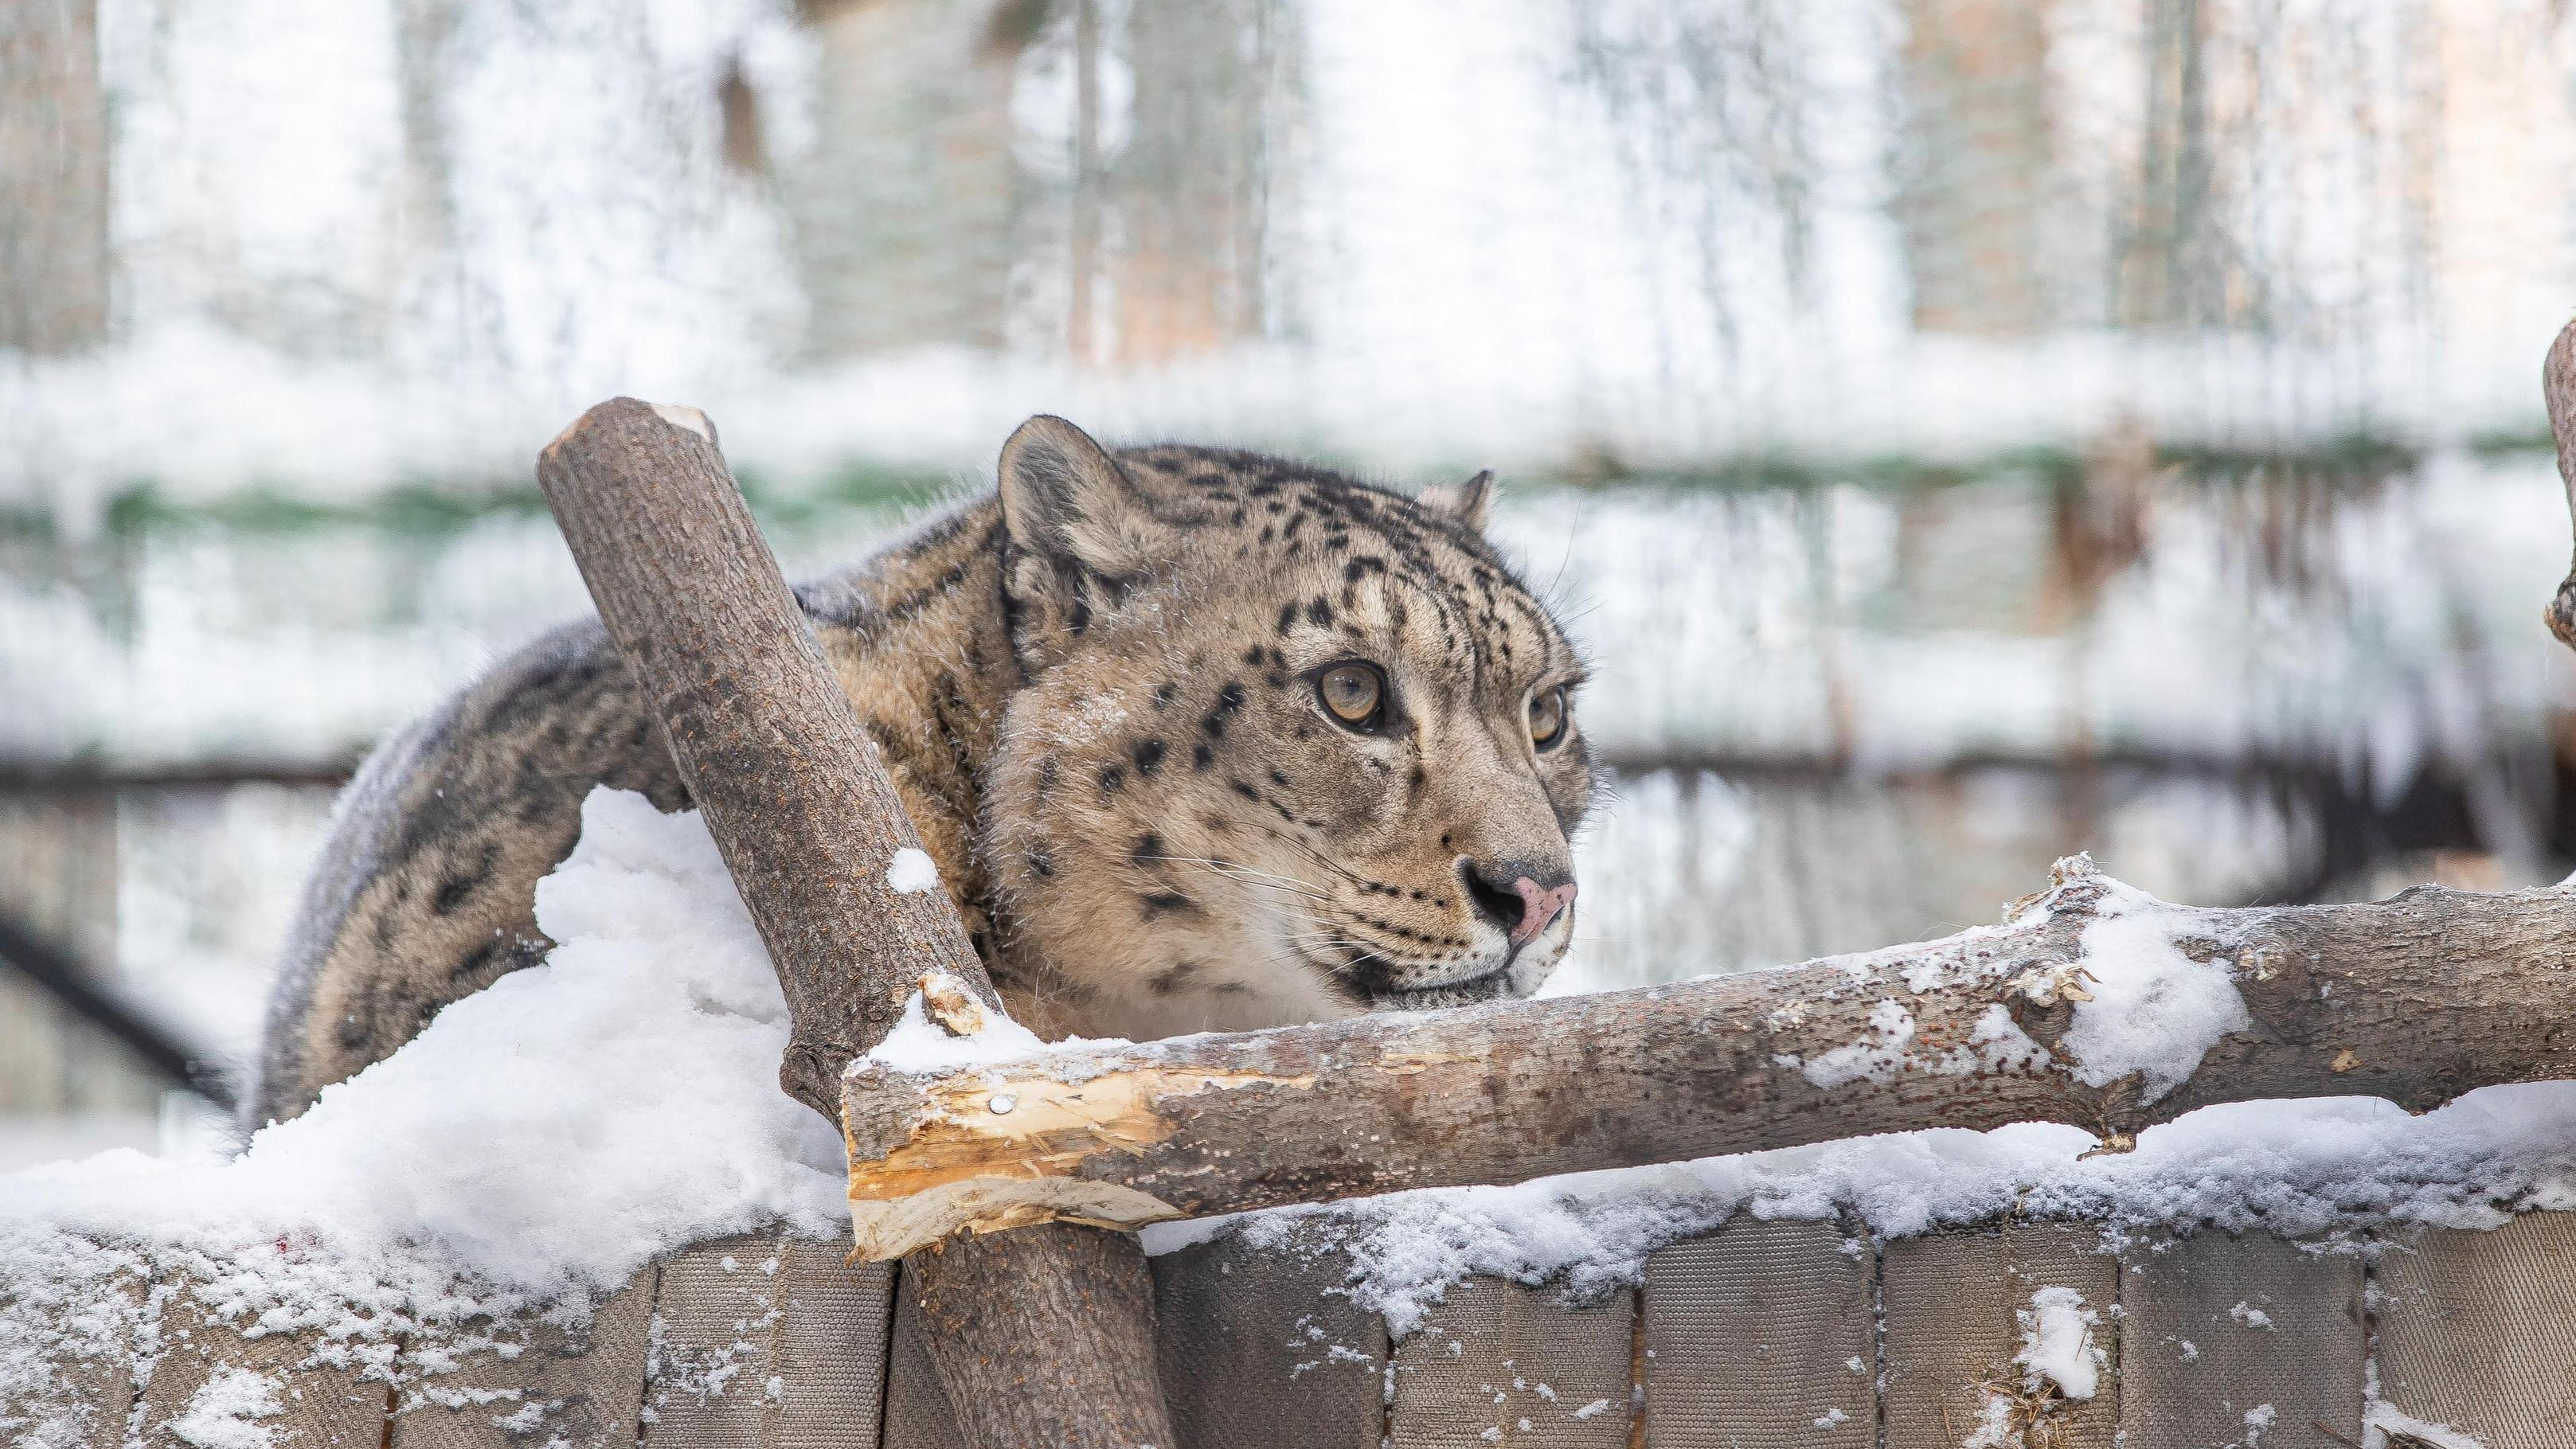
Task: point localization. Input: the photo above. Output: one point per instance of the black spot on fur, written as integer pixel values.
(1163, 694)
(1319, 609)
(1228, 700)
(1149, 758)
(1158, 902)
(1149, 849)
(1287, 617)
(1041, 861)
(1201, 757)
(1168, 982)
(1112, 779)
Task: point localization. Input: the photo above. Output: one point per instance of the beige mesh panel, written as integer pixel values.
(832, 1348)
(711, 1378)
(584, 1389)
(1761, 1334)
(1949, 1302)
(2478, 1331)
(208, 1368)
(1498, 1363)
(917, 1415)
(89, 1342)
(1258, 1353)
(2215, 1328)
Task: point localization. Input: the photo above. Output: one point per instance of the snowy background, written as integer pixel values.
(1966, 431)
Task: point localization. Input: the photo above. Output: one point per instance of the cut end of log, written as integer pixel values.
(993, 1150)
(680, 416)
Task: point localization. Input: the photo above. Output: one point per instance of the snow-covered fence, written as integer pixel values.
(1787, 1332)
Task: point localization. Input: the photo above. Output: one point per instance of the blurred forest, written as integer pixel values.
(1964, 431)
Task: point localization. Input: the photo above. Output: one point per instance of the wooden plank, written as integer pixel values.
(1257, 1351)
(917, 1413)
(567, 1389)
(712, 1361)
(213, 1383)
(1950, 1303)
(1498, 1362)
(832, 1348)
(1761, 1333)
(2475, 1331)
(2223, 1335)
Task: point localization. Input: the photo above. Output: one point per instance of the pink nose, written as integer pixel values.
(1538, 907)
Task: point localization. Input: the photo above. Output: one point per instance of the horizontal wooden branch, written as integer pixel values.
(2417, 1000)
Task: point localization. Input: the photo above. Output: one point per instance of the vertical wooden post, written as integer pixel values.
(53, 177)
(1042, 1337)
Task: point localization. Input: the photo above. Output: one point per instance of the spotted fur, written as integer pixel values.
(1096, 691)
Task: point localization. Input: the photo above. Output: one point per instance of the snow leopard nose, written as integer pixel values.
(1514, 897)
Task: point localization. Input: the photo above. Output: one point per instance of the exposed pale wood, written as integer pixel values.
(808, 823)
(1499, 1363)
(1248, 1347)
(1949, 1303)
(581, 1388)
(2475, 1332)
(2416, 999)
(2195, 1361)
(1761, 1333)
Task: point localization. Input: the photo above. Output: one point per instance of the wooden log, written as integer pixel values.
(809, 824)
(2416, 999)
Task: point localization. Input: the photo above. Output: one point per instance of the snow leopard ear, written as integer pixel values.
(1066, 500)
(1467, 502)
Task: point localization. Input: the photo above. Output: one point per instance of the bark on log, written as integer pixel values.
(2417, 1000)
(2558, 386)
(809, 823)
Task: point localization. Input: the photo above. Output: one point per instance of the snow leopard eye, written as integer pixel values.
(1547, 717)
(1353, 693)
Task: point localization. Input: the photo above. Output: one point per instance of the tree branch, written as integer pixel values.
(809, 823)
(2417, 1000)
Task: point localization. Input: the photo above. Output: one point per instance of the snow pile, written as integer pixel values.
(2153, 1010)
(919, 1045)
(533, 1147)
(2057, 1344)
(911, 872)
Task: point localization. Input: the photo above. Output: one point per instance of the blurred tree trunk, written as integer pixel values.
(1975, 162)
(53, 177)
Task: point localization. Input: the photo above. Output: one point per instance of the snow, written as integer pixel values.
(225, 1412)
(2382, 1419)
(912, 872)
(2057, 1344)
(2257, 1420)
(2299, 1169)
(537, 1143)
(919, 1045)
(2154, 1011)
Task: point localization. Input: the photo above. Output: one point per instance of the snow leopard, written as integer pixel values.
(1198, 739)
